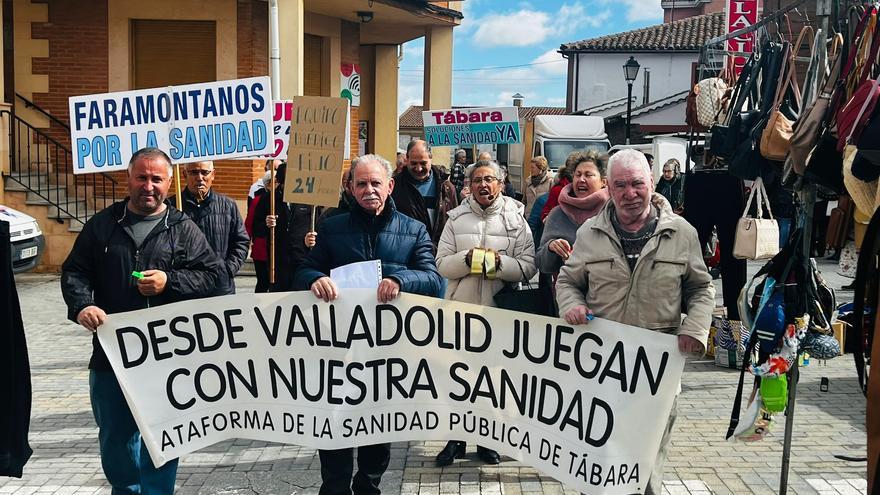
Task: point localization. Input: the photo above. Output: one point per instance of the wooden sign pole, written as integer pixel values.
(178, 198)
(272, 229)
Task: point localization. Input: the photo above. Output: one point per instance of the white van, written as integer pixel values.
(26, 237)
(553, 137)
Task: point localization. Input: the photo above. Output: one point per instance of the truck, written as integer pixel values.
(553, 137)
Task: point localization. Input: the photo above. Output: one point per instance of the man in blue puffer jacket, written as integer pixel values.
(374, 229)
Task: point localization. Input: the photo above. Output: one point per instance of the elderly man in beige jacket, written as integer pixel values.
(636, 262)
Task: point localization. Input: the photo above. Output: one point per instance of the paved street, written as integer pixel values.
(64, 437)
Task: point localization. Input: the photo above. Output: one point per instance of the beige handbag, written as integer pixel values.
(866, 195)
(756, 238)
(710, 99)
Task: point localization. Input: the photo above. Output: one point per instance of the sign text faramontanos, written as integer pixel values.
(195, 122)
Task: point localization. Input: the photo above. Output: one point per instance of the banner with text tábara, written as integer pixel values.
(465, 127)
(192, 123)
(586, 405)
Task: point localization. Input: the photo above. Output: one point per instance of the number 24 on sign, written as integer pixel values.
(309, 184)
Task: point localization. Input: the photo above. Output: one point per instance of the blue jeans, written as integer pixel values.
(126, 462)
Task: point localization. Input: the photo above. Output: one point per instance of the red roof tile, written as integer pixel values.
(683, 35)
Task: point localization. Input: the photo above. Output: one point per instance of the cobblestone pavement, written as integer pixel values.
(64, 437)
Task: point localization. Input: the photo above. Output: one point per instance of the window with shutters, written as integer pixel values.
(172, 52)
(313, 68)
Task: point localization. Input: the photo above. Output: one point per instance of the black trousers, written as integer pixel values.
(716, 200)
(336, 469)
(820, 227)
(262, 269)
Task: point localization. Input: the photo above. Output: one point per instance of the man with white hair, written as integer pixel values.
(638, 263)
(374, 229)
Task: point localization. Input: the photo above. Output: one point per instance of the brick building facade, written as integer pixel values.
(80, 58)
(62, 48)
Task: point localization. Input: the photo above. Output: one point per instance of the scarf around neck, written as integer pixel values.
(579, 210)
(537, 179)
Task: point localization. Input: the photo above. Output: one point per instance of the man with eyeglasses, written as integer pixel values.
(218, 218)
(423, 192)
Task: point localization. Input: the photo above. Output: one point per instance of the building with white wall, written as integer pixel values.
(668, 55)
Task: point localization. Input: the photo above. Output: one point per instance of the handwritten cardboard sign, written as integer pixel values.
(319, 129)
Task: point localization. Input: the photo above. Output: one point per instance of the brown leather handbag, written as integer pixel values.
(776, 136)
(814, 120)
(839, 223)
(691, 118)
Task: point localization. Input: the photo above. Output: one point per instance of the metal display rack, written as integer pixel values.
(711, 60)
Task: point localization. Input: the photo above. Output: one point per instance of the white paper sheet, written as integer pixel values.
(360, 275)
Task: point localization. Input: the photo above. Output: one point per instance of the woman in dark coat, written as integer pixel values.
(671, 185)
(293, 234)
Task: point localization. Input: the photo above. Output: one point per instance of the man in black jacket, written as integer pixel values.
(138, 253)
(218, 217)
(423, 192)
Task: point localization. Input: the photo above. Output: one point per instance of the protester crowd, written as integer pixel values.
(607, 242)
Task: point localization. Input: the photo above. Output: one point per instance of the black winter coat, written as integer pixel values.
(15, 373)
(218, 218)
(400, 242)
(294, 222)
(672, 190)
(98, 269)
(411, 203)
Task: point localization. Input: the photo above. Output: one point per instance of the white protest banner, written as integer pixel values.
(586, 405)
(194, 122)
(319, 144)
(471, 126)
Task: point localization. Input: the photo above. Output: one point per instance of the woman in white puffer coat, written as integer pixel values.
(490, 221)
(494, 225)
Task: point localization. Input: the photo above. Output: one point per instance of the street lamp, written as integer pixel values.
(630, 71)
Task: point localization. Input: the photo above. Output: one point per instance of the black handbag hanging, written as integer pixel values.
(825, 163)
(724, 137)
(866, 167)
(747, 162)
(532, 300)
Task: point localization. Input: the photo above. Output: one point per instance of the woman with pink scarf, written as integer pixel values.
(578, 202)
